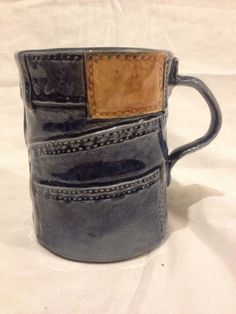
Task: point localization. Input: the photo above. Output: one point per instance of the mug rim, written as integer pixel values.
(95, 49)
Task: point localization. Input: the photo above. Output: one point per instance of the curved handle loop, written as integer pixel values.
(215, 124)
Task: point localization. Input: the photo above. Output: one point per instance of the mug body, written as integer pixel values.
(95, 129)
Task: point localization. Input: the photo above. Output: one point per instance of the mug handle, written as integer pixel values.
(216, 118)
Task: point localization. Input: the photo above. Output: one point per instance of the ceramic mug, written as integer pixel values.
(95, 129)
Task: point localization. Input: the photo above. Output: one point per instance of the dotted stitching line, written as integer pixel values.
(137, 110)
(91, 87)
(161, 209)
(97, 190)
(160, 84)
(57, 56)
(92, 142)
(126, 56)
(167, 69)
(97, 193)
(99, 197)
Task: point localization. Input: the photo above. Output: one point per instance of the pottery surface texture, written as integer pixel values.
(95, 129)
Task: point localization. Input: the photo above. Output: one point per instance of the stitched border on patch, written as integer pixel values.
(131, 57)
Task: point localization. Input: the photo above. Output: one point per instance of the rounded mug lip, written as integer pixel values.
(95, 49)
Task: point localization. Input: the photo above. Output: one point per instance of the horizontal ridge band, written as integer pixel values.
(99, 192)
(113, 135)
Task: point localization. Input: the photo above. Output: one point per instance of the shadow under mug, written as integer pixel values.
(95, 129)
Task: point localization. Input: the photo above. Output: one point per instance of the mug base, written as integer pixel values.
(101, 260)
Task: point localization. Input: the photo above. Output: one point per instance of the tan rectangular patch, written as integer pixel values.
(125, 84)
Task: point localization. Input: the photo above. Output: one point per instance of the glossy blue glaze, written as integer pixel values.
(98, 187)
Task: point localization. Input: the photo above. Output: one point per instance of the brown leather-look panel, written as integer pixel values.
(125, 84)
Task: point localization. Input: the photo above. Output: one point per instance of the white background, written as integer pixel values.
(194, 271)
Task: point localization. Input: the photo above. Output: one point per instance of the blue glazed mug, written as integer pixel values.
(95, 129)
